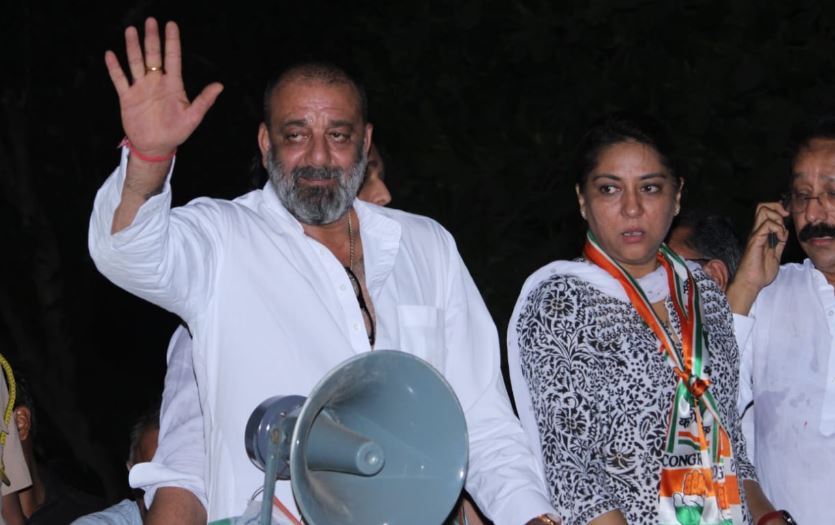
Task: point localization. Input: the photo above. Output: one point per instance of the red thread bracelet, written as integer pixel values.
(146, 158)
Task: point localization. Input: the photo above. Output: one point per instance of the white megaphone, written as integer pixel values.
(381, 440)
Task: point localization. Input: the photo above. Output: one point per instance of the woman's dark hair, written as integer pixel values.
(615, 128)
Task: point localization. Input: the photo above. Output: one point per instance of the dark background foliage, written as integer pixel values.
(477, 104)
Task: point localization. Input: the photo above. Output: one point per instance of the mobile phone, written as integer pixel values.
(785, 201)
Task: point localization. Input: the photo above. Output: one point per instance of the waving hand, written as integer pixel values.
(156, 113)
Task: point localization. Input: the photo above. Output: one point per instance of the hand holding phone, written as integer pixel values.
(761, 258)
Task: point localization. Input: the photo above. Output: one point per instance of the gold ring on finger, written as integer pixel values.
(154, 68)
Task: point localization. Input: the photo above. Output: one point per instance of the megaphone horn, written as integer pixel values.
(381, 435)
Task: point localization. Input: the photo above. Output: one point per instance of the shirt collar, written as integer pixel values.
(380, 235)
(826, 293)
(380, 242)
(278, 210)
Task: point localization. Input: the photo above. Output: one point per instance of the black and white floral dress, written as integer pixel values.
(589, 377)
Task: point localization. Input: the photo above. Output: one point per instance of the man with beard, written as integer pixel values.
(785, 323)
(284, 283)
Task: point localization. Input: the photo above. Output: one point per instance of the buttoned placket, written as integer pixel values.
(338, 277)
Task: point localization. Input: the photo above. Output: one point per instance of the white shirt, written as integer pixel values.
(788, 361)
(272, 310)
(180, 458)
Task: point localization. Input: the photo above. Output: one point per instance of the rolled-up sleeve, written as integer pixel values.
(165, 256)
(180, 459)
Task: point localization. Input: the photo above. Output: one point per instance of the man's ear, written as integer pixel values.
(23, 420)
(264, 143)
(717, 271)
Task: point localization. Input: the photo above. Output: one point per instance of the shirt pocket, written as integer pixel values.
(422, 332)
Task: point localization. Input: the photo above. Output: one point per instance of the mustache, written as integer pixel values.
(811, 231)
(316, 173)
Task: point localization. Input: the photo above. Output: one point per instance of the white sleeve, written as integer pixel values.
(504, 476)
(181, 454)
(165, 256)
(743, 329)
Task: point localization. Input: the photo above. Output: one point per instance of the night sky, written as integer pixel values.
(476, 105)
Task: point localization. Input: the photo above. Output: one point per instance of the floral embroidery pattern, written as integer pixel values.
(601, 394)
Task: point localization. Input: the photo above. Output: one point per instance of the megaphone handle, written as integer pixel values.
(269, 478)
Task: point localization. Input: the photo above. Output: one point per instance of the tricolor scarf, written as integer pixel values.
(698, 477)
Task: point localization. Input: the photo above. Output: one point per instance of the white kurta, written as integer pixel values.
(787, 344)
(272, 310)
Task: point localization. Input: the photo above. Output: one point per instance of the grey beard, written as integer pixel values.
(311, 204)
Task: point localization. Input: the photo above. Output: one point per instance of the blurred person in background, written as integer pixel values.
(51, 499)
(143, 444)
(14, 473)
(707, 239)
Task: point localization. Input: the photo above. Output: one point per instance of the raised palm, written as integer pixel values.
(156, 113)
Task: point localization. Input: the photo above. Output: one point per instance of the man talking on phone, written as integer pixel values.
(785, 323)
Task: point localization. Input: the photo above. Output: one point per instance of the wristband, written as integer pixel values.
(147, 158)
